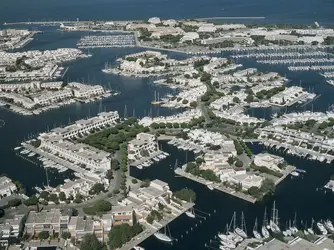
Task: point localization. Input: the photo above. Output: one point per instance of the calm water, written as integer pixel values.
(279, 11)
(293, 195)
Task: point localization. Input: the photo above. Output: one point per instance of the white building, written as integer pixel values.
(71, 188)
(189, 36)
(207, 28)
(82, 154)
(11, 227)
(269, 161)
(154, 20)
(7, 187)
(236, 176)
(48, 97)
(86, 125)
(85, 91)
(143, 145)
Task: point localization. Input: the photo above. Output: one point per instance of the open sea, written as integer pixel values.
(303, 195)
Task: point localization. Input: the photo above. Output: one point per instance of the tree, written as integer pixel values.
(66, 235)
(14, 202)
(102, 206)
(193, 104)
(239, 164)
(134, 217)
(236, 100)
(90, 242)
(62, 196)
(33, 200)
(185, 194)
(43, 235)
(121, 234)
(78, 198)
(231, 160)
(44, 195)
(97, 188)
(268, 186)
(54, 198)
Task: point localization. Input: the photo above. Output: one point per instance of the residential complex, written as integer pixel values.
(7, 187)
(142, 146)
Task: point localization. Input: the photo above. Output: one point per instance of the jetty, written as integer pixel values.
(151, 229)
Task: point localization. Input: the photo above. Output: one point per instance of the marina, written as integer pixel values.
(110, 41)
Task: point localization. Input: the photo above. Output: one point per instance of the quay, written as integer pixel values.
(53, 158)
(165, 137)
(229, 18)
(150, 229)
(229, 191)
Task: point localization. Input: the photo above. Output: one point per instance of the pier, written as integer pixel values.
(112, 41)
(150, 229)
(229, 191)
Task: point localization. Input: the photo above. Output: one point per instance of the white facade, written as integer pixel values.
(269, 161)
(144, 143)
(240, 177)
(85, 126)
(11, 227)
(7, 187)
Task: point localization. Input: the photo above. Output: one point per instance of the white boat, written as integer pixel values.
(264, 231)
(256, 234)
(210, 187)
(273, 224)
(138, 248)
(139, 166)
(227, 244)
(190, 213)
(240, 232)
(163, 236)
(322, 228)
(329, 226)
(294, 173)
(17, 148)
(310, 230)
(31, 154)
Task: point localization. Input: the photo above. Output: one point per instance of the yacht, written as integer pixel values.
(138, 248)
(310, 230)
(190, 213)
(264, 230)
(140, 166)
(228, 244)
(322, 228)
(273, 224)
(295, 173)
(163, 236)
(256, 234)
(17, 148)
(329, 226)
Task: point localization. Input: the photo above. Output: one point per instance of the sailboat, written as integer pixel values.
(256, 234)
(310, 230)
(274, 220)
(156, 100)
(227, 240)
(163, 236)
(287, 231)
(242, 231)
(191, 213)
(294, 229)
(264, 231)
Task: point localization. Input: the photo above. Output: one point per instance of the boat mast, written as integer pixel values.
(243, 224)
(255, 225)
(265, 217)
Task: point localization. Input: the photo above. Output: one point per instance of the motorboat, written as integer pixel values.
(138, 248)
(190, 213)
(228, 244)
(329, 226)
(295, 173)
(321, 228)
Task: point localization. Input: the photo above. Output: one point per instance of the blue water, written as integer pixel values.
(293, 195)
(278, 11)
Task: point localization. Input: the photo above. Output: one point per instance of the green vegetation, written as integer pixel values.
(14, 203)
(185, 194)
(97, 188)
(238, 147)
(267, 94)
(266, 170)
(66, 235)
(121, 234)
(90, 242)
(43, 235)
(78, 198)
(33, 200)
(154, 215)
(267, 187)
(99, 207)
(209, 175)
(110, 139)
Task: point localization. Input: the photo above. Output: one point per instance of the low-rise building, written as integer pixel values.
(240, 177)
(142, 146)
(11, 228)
(269, 161)
(45, 220)
(7, 187)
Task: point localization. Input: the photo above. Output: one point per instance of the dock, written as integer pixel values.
(150, 229)
(54, 158)
(229, 191)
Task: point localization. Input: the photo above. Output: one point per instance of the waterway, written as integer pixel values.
(292, 195)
